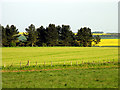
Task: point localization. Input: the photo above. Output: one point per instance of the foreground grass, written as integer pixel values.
(68, 78)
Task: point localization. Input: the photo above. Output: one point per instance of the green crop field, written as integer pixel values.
(72, 67)
(57, 54)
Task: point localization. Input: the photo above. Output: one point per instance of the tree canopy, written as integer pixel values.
(84, 36)
(9, 36)
(31, 35)
(49, 36)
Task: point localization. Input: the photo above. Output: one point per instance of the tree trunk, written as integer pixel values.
(32, 44)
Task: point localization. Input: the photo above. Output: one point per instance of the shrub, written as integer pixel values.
(44, 45)
(12, 44)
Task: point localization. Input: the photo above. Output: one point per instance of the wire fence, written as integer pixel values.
(52, 63)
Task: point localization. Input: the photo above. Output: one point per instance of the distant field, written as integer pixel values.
(92, 33)
(57, 55)
(102, 34)
(108, 42)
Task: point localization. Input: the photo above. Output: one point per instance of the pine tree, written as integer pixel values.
(51, 35)
(9, 36)
(41, 36)
(84, 36)
(31, 35)
(67, 36)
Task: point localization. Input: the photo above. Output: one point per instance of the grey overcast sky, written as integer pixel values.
(99, 15)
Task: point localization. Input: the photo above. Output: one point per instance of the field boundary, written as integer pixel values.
(52, 63)
(59, 69)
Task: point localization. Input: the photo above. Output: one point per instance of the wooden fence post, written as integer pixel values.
(71, 63)
(20, 64)
(93, 62)
(36, 63)
(113, 60)
(44, 63)
(28, 63)
(51, 63)
(77, 63)
(64, 62)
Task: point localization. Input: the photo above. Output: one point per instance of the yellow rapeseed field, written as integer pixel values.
(108, 42)
(98, 34)
(101, 34)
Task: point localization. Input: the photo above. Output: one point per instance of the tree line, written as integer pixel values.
(49, 36)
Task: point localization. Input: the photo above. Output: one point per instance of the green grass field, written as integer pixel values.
(57, 55)
(71, 78)
(102, 73)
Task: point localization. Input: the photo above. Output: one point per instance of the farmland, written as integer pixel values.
(108, 42)
(97, 67)
(57, 54)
